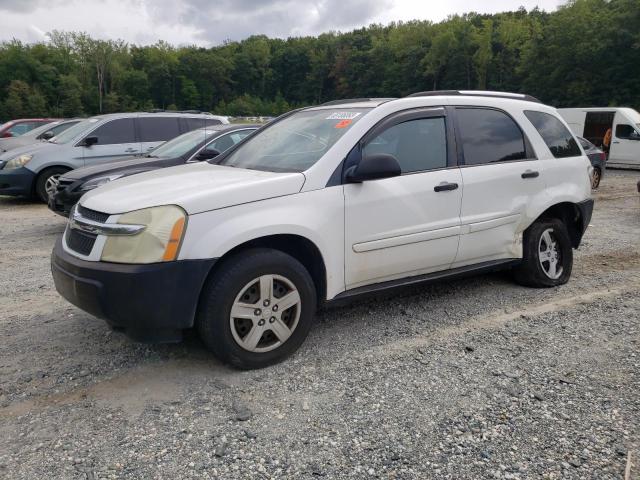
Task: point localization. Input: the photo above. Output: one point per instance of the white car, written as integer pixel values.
(323, 204)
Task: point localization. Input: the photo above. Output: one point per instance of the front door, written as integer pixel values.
(406, 225)
(625, 144)
(116, 139)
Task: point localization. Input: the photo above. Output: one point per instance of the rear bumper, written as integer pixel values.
(16, 182)
(586, 210)
(151, 303)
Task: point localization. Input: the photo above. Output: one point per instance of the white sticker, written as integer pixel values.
(343, 115)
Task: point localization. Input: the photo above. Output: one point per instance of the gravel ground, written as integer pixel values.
(477, 378)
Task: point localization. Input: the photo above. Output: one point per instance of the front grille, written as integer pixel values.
(80, 242)
(92, 214)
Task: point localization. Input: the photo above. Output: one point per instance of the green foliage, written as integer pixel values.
(584, 54)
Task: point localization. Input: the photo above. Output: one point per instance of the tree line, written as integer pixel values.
(587, 53)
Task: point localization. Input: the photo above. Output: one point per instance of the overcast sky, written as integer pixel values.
(210, 22)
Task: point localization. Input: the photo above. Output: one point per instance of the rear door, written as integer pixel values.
(500, 174)
(116, 139)
(625, 144)
(406, 225)
(155, 130)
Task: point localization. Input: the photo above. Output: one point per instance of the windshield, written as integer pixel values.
(296, 142)
(72, 132)
(180, 145)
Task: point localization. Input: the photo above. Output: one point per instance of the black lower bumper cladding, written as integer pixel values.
(151, 303)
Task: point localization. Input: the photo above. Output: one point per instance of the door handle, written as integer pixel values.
(130, 150)
(530, 174)
(616, 142)
(445, 187)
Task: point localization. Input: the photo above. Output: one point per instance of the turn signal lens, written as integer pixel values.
(171, 252)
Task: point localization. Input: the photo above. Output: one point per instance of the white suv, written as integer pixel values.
(323, 204)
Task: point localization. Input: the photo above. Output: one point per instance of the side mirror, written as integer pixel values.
(47, 135)
(374, 167)
(87, 142)
(207, 155)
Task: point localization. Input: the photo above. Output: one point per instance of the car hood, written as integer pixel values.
(27, 149)
(124, 165)
(197, 187)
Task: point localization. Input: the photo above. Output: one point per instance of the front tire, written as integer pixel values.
(257, 309)
(47, 181)
(547, 255)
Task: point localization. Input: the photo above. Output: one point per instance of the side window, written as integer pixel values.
(20, 129)
(625, 131)
(557, 137)
(116, 131)
(226, 141)
(158, 129)
(417, 144)
(489, 136)
(194, 123)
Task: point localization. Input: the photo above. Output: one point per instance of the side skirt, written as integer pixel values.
(460, 272)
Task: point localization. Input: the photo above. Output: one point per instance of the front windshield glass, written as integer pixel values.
(180, 145)
(72, 132)
(296, 142)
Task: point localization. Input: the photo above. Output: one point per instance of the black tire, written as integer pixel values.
(531, 272)
(41, 182)
(596, 177)
(220, 292)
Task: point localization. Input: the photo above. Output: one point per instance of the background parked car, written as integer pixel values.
(44, 132)
(33, 171)
(598, 160)
(15, 128)
(194, 146)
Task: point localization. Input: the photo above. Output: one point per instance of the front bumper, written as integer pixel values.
(16, 182)
(151, 303)
(63, 201)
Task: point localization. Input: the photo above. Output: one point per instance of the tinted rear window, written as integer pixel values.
(557, 137)
(158, 129)
(193, 123)
(489, 136)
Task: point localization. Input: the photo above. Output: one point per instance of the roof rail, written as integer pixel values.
(161, 110)
(476, 93)
(355, 100)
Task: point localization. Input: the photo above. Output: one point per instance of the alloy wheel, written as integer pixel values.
(549, 254)
(265, 313)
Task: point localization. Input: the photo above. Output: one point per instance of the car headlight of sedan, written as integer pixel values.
(18, 162)
(98, 181)
(159, 241)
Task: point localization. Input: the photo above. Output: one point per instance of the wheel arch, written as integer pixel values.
(573, 216)
(299, 247)
(44, 170)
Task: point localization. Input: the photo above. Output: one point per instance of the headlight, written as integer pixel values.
(96, 182)
(158, 242)
(18, 162)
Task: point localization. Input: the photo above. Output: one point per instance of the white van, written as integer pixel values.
(593, 123)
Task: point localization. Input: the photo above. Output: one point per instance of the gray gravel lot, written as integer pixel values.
(477, 378)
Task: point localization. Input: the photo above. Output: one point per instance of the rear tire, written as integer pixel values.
(46, 180)
(596, 176)
(263, 333)
(547, 255)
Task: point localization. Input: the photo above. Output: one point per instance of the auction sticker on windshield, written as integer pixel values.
(343, 115)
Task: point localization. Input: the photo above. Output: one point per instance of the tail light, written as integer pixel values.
(603, 156)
